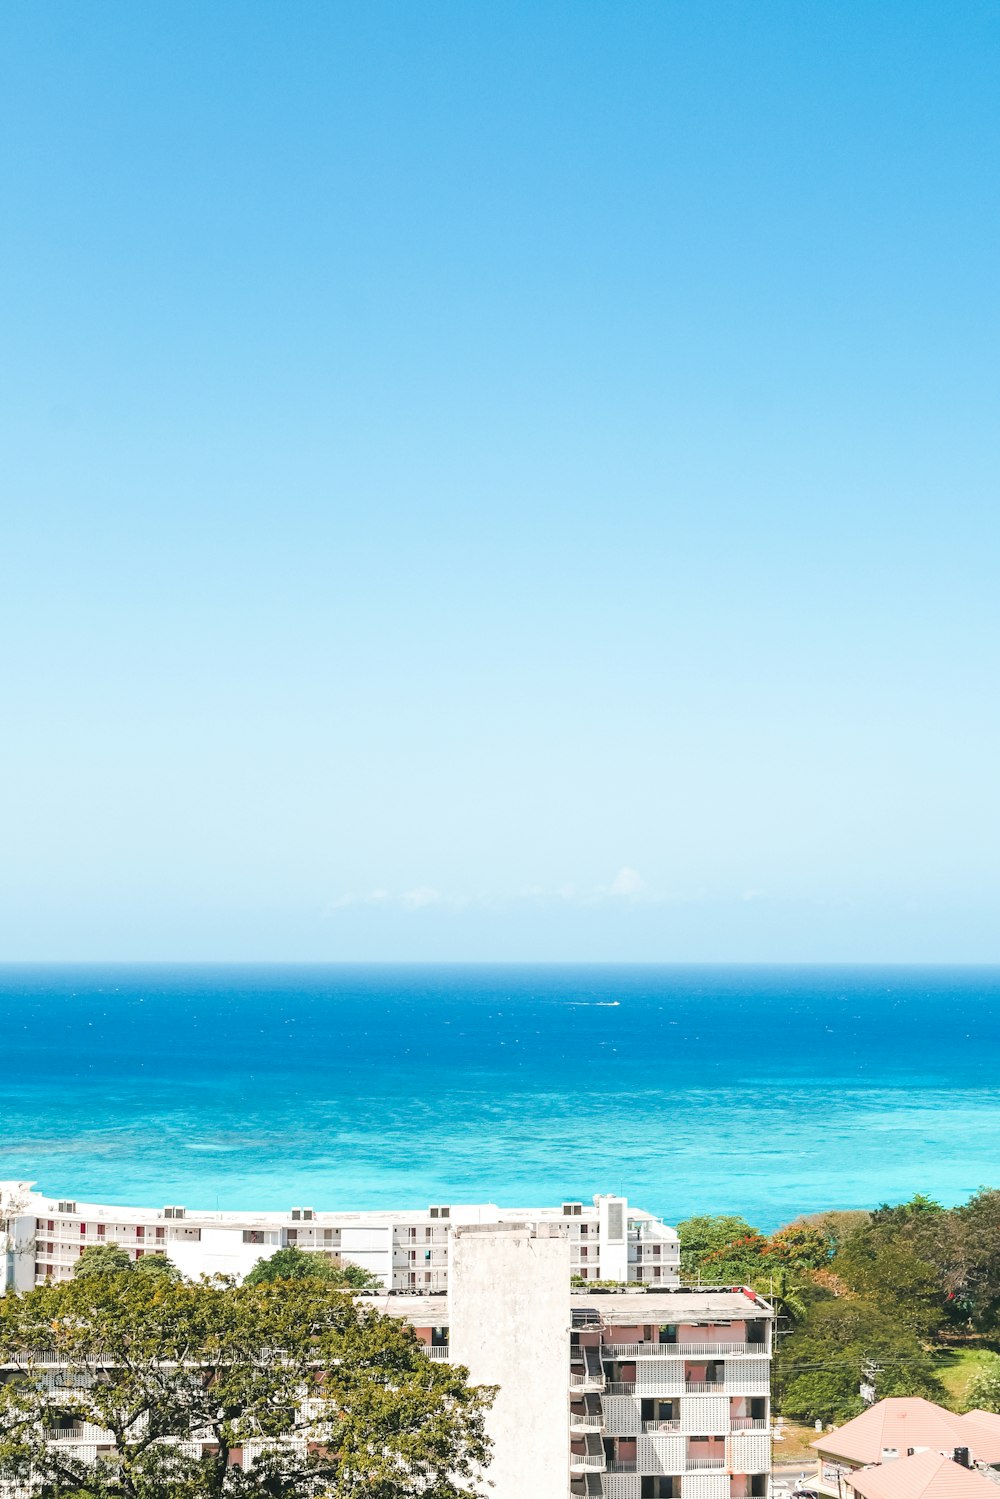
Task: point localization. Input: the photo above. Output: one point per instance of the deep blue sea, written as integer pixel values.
(768, 1091)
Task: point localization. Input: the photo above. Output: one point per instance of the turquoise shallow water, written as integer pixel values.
(771, 1091)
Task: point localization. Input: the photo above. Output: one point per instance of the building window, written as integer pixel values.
(100, 1230)
(140, 1232)
(161, 1233)
(253, 1236)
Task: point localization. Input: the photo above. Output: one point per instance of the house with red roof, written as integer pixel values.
(910, 1448)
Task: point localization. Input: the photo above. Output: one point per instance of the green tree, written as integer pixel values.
(785, 1294)
(882, 1262)
(704, 1235)
(299, 1264)
(102, 1259)
(338, 1399)
(801, 1246)
(983, 1392)
(975, 1292)
(820, 1365)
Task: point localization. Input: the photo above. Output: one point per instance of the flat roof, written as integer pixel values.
(685, 1304)
(626, 1309)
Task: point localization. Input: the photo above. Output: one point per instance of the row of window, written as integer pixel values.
(48, 1225)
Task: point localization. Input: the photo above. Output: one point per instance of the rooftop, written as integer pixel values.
(21, 1197)
(898, 1423)
(680, 1304)
(625, 1309)
(926, 1475)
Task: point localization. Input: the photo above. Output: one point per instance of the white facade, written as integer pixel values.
(637, 1394)
(508, 1313)
(42, 1237)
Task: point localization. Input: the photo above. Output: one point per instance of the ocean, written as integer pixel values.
(768, 1091)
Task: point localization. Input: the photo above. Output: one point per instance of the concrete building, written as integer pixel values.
(658, 1394)
(638, 1394)
(42, 1237)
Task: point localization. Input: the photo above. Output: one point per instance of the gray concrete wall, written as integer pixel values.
(509, 1323)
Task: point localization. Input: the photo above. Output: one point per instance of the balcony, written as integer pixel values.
(748, 1423)
(699, 1464)
(437, 1350)
(685, 1350)
(586, 1421)
(584, 1462)
(704, 1387)
(620, 1387)
(590, 1382)
(661, 1426)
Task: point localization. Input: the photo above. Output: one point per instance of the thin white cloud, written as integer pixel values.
(627, 886)
(422, 896)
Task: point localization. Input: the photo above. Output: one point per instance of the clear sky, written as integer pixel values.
(500, 481)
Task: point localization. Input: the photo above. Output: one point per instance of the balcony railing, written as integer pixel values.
(437, 1350)
(696, 1464)
(748, 1423)
(580, 1462)
(684, 1350)
(661, 1426)
(621, 1387)
(588, 1381)
(587, 1422)
(704, 1387)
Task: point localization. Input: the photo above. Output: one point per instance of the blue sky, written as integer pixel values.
(500, 482)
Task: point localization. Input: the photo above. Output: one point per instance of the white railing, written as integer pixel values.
(683, 1350)
(615, 1465)
(704, 1387)
(661, 1426)
(748, 1423)
(437, 1350)
(621, 1387)
(696, 1464)
(579, 1461)
(588, 1381)
(587, 1422)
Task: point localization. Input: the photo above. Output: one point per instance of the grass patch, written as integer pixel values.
(795, 1448)
(955, 1368)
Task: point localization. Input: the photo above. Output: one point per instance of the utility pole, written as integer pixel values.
(870, 1371)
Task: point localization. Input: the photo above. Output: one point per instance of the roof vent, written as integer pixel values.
(961, 1456)
(174, 1212)
(439, 1212)
(572, 1209)
(303, 1215)
(67, 1207)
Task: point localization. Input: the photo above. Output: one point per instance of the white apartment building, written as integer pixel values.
(644, 1394)
(42, 1237)
(659, 1393)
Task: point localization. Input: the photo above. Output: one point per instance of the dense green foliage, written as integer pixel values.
(984, 1387)
(152, 1358)
(863, 1295)
(298, 1264)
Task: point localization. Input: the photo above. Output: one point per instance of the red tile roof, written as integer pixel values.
(899, 1423)
(927, 1475)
